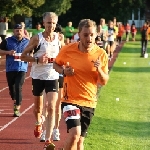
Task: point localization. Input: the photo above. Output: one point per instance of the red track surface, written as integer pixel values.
(17, 133)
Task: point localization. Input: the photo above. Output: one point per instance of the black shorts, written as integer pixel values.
(77, 116)
(110, 43)
(48, 85)
(61, 81)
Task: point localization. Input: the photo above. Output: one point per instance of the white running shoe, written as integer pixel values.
(56, 135)
(43, 136)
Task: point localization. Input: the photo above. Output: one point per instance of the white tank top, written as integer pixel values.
(46, 71)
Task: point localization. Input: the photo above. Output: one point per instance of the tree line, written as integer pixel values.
(73, 10)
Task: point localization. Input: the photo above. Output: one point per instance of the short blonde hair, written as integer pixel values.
(50, 14)
(86, 23)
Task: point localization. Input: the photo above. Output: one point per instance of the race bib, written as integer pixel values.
(17, 57)
(51, 60)
(71, 112)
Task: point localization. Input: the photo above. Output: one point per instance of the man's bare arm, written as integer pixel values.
(3, 52)
(32, 44)
(58, 68)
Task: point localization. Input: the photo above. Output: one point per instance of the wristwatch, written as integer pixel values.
(36, 60)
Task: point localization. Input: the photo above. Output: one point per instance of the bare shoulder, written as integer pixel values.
(33, 43)
(34, 40)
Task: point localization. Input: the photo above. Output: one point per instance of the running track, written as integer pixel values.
(17, 133)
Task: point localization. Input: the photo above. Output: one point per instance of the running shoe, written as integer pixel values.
(38, 130)
(16, 113)
(38, 127)
(43, 136)
(56, 135)
(49, 145)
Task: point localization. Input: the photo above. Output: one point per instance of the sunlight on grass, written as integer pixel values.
(123, 124)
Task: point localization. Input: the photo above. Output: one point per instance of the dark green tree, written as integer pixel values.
(96, 9)
(33, 7)
(57, 6)
(21, 7)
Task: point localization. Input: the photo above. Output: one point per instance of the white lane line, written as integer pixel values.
(6, 113)
(4, 109)
(13, 120)
(4, 89)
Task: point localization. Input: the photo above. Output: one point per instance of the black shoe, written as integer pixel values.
(16, 113)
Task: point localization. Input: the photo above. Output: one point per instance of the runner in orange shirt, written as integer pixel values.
(85, 65)
(120, 33)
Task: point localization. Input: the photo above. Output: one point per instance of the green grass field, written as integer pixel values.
(123, 124)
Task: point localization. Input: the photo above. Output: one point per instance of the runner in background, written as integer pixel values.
(69, 32)
(3, 28)
(133, 32)
(26, 33)
(111, 33)
(120, 33)
(38, 29)
(105, 32)
(80, 84)
(16, 69)
(116, 32)
(145, 31)
(127, 30)
(99, 37)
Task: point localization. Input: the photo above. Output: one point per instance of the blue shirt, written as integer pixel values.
(11, 43)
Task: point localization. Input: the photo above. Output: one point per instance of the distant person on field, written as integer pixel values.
(111, 34)
(145, 31)
(38, 29)
(133, 32)
(26, 33)
(116, 32)
(99, 37)
(120, 33)
(3, 28)
(104, 28)
(69, 32)
(127, 30)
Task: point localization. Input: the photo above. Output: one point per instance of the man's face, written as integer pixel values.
(111, 24)
(38, 27)
(18, 33)
(49, 24)
(102, 22)
(23, 25)
(145, 25)
(87, 36)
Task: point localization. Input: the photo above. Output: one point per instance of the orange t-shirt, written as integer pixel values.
(120, 31)
(81, 88)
